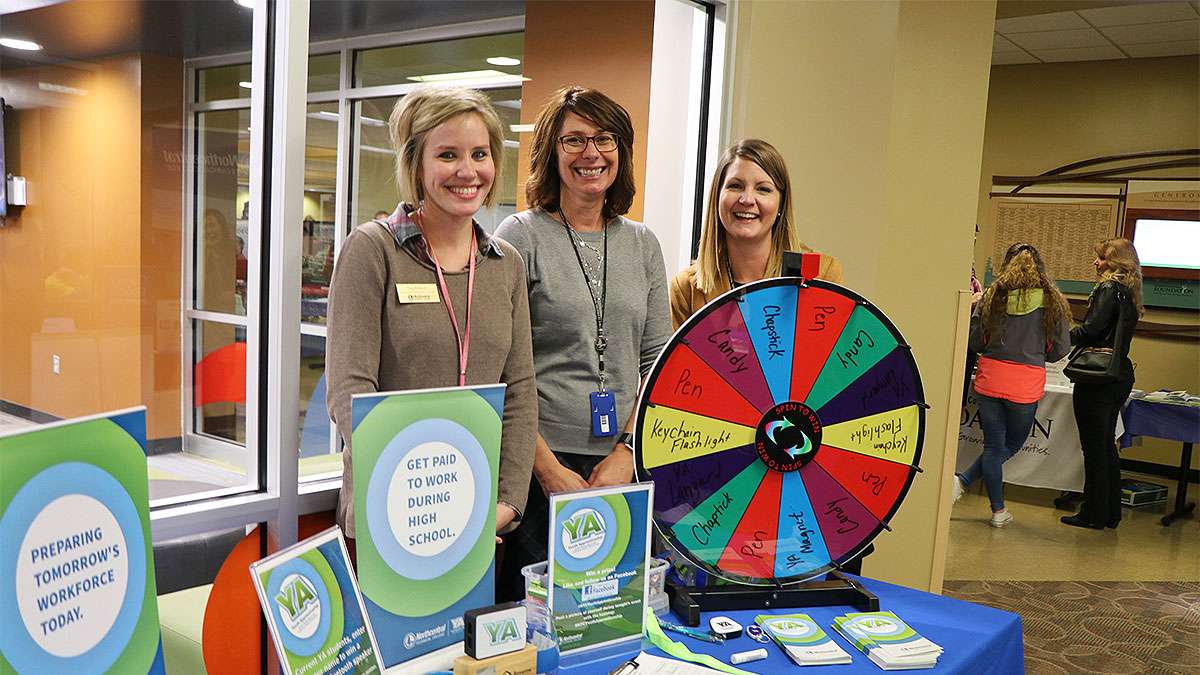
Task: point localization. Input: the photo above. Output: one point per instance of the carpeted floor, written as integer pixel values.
(1103, 627)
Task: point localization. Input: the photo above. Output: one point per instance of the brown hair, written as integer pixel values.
(542, 187)
(712, 260)
(1127, 268)
(1021, 272)
(421, 111)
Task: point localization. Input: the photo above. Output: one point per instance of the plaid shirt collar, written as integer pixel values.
(407, 235)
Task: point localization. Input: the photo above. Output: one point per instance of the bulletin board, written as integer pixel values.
(1063, 231)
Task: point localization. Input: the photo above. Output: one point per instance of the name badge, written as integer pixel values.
(414, 293)
(604, 413)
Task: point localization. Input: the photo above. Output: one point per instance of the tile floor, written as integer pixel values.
(1036, 547)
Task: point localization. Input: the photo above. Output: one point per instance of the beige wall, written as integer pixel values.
(1041, 116)
(879, 109)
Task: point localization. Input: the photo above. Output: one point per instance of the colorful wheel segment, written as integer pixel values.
(782, 426)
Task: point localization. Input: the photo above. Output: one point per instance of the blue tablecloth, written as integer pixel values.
(1160, 420)
(978, 640)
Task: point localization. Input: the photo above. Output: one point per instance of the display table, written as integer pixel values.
(1171, 421)
(1051, 457)
(977, 639)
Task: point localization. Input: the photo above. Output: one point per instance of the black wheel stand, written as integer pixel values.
(687, 602)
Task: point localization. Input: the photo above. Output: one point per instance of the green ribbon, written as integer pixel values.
(680, 651)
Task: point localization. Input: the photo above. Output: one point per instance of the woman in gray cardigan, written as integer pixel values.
(597, 304)
(446, 142)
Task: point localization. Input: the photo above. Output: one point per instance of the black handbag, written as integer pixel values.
(1097, 365)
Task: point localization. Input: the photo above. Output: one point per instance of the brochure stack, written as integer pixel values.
(802, 639)
(887, 640)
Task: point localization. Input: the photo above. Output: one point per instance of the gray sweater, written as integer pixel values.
(377, 343)
(637, 321)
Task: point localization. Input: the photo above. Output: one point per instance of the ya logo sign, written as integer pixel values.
(503, 631)
(877, 626)
(583, 533)
(789, 628)
(299, 606)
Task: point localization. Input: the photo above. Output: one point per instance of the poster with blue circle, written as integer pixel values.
(425, 467)
(599, 549)
(77, 590)
(314, 610)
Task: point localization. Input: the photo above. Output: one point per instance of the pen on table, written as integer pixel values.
(626, 668)
(692, 632)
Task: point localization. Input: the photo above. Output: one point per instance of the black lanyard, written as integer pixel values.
(598, 304)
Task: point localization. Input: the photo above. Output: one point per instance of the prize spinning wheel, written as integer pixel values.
(782, 426)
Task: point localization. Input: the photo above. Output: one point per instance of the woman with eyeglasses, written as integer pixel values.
(1020, 324)
(1114, 307)
(748, 226)
(597, 305)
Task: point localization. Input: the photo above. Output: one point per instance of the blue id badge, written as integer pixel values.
(604, 413)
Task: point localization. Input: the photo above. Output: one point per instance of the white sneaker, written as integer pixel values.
(1001, 518)
(959, 490)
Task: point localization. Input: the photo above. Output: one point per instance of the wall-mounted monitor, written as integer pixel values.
(1167, 242)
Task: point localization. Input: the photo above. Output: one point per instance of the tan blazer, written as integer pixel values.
(686, 299)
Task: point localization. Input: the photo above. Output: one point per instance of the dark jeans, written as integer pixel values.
(1006, 426)
(1096, 409)
(527, 544)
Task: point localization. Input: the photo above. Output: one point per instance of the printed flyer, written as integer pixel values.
(425, 469)
(314, 611)
(599, 552)
(77, 590)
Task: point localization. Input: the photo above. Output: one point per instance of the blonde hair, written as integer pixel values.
(1021, 272)
(423, 110)
(1127, 268)
(712, 261)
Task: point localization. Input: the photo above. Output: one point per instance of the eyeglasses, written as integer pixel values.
(574, 143)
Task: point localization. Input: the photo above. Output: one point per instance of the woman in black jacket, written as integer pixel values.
(1114, 307)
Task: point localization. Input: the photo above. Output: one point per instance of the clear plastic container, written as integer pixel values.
(540, 633)
(535, 587)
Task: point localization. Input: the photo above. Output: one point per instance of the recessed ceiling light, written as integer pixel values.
(248, 4)
(475, 77)
(61, 89)
(521, 128)
(504, 61)
(14, 43)
(244, 84)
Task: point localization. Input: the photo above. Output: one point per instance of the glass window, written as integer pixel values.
(125, 276)
(489, 60)
(219, 380)
(324, 72)
(222, 210)
(317, 227)
(374, 161)
(223, 82)
(319, 458)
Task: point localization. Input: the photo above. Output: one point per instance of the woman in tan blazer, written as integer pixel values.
(747, 227)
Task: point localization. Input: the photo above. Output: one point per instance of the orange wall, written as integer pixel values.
(80, 268)
(162, 241)
(603, 45)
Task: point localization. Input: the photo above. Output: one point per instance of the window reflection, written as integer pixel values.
(223, 157)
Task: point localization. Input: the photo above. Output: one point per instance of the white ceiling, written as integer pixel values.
(1130, 31)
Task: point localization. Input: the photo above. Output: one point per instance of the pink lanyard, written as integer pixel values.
(463, 341)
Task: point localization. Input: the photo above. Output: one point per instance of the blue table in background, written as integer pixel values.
(978, 640)
(1172, 421)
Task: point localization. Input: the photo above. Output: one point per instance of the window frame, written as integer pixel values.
(273, 341)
